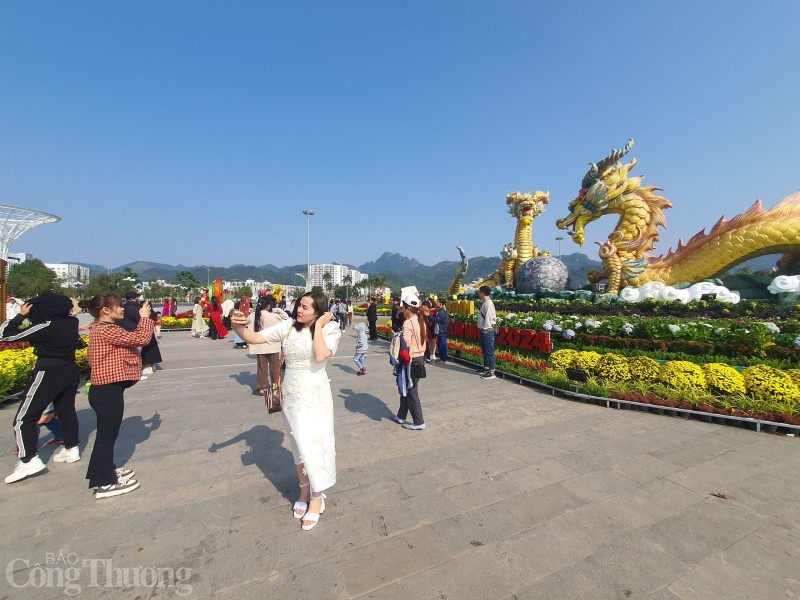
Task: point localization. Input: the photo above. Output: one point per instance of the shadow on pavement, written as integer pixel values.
(245, 378)
(264, 449)
(134, 431)
(366, 404)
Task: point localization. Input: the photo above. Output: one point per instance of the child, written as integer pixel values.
(361, 348)
(49, 420)
(157, 327)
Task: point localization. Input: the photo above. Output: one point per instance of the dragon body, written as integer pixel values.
(524, 208)
(607, 189)
(461, 272)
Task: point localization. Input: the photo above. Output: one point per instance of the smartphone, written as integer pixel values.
(244, 305)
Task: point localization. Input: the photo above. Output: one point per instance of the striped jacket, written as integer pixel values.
(113, 353)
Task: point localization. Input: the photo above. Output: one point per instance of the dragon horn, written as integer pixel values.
(590, 177)
(614, 156)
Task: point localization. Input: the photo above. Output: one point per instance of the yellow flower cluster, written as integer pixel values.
(175, 323)
(643, 368)
(561, 359)
(682, 374)
(723, 379)
(15, 367)
(613, 367)
(795, 375)
(586, 361)
(771, 385)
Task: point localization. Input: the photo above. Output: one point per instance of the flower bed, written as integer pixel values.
(759, 392)
(178, 322)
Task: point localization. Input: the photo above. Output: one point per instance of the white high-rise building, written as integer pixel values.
(15, 258)
(338, 273)
(69, 274)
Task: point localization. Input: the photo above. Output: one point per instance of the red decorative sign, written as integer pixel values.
(524, 339)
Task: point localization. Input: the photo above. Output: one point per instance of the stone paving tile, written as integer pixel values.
(691, 538)
(538, 552)
(389, 560)
(576, 582)
(540, 474)
(598, 485)
(636, 566)
(721, 578)
(644, 468)
(474, 575)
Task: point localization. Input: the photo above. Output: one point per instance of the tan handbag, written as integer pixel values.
(273, 397)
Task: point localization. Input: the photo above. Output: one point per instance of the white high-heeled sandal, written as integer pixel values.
(311, 516)
(300, 505)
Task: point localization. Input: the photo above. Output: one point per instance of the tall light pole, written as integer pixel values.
(558, 239)
(208, 278)
(308, 212)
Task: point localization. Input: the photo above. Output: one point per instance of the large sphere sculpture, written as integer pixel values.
(542, 272)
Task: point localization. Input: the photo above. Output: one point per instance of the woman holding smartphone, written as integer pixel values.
(307, 341)
(116, 365)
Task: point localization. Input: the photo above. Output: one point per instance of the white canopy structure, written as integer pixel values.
(15, 221)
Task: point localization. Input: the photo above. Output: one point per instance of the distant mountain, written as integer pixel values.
(399, 270)
(389, 261)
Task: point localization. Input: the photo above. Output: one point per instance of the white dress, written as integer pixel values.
(307, 400)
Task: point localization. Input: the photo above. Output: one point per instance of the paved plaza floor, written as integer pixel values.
(508, 493)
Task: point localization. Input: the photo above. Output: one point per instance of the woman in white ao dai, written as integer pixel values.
(307, 398)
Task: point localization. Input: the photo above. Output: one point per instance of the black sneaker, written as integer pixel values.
(121, 487)
(488, 375)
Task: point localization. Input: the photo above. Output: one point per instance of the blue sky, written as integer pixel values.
(197, 132)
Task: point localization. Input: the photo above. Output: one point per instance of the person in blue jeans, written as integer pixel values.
(487, 321)
(441, 327)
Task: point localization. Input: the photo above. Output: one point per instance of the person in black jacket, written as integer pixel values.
(53, 333)
(151, 354)
(398, 316)
(441, 328)
(372, 319)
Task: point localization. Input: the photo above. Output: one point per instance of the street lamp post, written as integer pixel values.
(208, 278)
(558, 239)
(308, 212)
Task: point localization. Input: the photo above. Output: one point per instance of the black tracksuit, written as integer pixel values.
(55, 378)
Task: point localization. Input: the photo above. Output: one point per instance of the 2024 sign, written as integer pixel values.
(524, 339)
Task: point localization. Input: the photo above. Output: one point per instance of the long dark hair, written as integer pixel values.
(263, 302)
(318, 301)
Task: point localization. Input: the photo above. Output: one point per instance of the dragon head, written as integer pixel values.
(603, 182)
(526, 207)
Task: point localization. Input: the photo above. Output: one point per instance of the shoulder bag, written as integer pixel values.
(273, 397)
(417, 367)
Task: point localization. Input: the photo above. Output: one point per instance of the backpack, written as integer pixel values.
(394, 346)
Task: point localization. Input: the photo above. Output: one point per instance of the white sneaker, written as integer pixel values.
(147, 371)
(143, 377)
(67, 455)
(23, 470)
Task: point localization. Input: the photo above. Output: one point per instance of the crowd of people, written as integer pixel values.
(291, 349)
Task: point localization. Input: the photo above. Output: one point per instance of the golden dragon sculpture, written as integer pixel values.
(524, 208)
(607, 189)
(461, 272)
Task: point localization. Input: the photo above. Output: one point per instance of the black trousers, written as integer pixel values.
(411, 403)
(373, 330)
(57, 384)
(109, 406)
